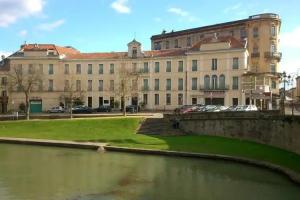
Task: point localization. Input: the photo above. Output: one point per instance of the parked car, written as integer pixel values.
(56, 109)
(246, 108)
(132, 108)
(82, 109)
(103, 108)
(209, 108)
(220, 108)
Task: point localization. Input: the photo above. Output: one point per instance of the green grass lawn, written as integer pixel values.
(122, 132)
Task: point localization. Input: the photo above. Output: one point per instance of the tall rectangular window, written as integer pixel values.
(188, 41)
(40, 85)
(194, 65)
(112, 68)
(235, 83)
(50, 69)
(235, 63)
(30, 69)
(100, 87)
(255, 32)
(111, 85)
(214, 64)
(168, 84)
(273, 85)
(180, 66)
(146, 67)
(50, 85)
(273, 31)
(168, 99)
(90, 69)
(156, 68)
(180, 84)
(156, 99)
(67, 69)
(180, 99)
(4, 81)
(194, 83)
(167, 44)
(145, 99)
(67, 85)
(78, 68)
(90, 85)
(146, 85)
(78, 85)
(100, 69)
(156, 84)
(176, 44)
(168, 68)
(273, 68)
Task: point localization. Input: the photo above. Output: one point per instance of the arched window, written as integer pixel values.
(206, 82)
(222, 82)
(214, 82)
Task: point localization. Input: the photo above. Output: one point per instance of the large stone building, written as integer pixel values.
(216, 65)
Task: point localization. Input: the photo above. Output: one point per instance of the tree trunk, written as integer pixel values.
(27, 106)
(124, 107)
(71, 111)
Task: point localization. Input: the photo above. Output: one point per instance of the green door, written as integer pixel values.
(35, 106)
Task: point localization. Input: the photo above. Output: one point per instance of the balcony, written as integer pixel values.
(273, 55)
(255, 55)
(210, 88)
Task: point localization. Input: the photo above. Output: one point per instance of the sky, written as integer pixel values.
(108, 25)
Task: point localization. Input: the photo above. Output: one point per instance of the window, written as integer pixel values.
(146, 67)
(222, 81)
(156, 69)
(90, 69)
(194, 83)
(40, 85)
(145, 99)
(255, 49)
(50, 69)
(146, 86)
(194, 65)
(41, 68)
(4, 81)
(194, 101)
(273, 48)
(180, 99)
(235, 63)
(111, 85)
(206, 82)
(67, 85)
(273, 68)
(156, 84)
(156, 99)
(235, 83)
(180, 84)
(30, 69)
(214, 82)
(167, 44)
(168, 68)
(273, 85)
(168, 84)
(188, 41)
(255, 32)
(243, 33)
(100, 68)
(168, 99)
(78, 68)
(134, 53)
(214, 64)
(176, 43)
(180, 66)
(50, 85)
(67, 68)
(157, 46)
(100, 87)
(235, 101)
(90, 102)
(112, 68)
(273, 31)
(90, 85)
(134, 67)
(78, 85)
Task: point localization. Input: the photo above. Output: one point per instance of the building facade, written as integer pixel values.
(209, 72)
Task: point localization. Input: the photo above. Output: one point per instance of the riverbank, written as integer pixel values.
(121, 132)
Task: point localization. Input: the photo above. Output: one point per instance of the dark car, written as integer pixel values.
(82, 109)
(132, 108)
(103, 109)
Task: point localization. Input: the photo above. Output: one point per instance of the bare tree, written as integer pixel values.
(127, 85)
(25, 82)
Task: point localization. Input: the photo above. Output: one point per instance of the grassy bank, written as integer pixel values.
(122, 132)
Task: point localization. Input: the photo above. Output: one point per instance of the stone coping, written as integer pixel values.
(292, 175)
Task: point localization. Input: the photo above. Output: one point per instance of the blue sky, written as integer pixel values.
(108, 25)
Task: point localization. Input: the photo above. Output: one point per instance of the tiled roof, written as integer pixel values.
(44, 47)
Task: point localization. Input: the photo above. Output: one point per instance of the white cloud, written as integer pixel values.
(121, 7)
(178, 11)
(51, 25)
(23, 33)
(291, 39)
(4, 53)
(12, 10)
(233, 8)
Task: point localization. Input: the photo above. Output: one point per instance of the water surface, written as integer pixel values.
(47, 173)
